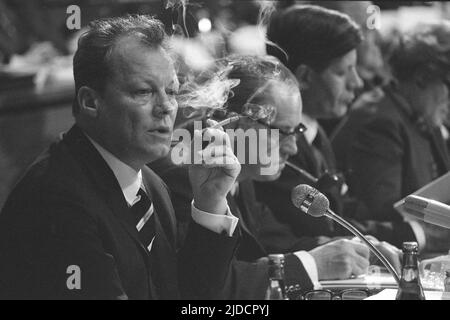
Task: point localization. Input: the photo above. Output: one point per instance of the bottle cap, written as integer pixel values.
(410, 246)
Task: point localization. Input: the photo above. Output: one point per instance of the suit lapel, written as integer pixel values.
(327, 151)
(161, 203)
(305, 158)
(103, 177)
(163, 255)
(441, 150)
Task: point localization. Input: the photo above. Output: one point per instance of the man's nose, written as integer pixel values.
(163, 106)
(355, 81)
(289, 146)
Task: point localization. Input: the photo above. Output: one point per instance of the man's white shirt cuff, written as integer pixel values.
(218, 223)
(310, 266)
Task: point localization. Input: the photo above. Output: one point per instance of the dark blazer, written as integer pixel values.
(276, 195)
(69, 209)
(249, 276)
(390, 154)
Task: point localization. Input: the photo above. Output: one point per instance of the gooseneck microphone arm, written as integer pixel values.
(314, 203)
(330, 214)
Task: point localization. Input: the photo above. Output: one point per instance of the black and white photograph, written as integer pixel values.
(220, 153)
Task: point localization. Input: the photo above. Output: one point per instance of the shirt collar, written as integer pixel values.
(312, 127)
(129, 179)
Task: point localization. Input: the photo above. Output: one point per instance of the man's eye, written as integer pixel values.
(171, 92)
(341, 73)
(143, 92)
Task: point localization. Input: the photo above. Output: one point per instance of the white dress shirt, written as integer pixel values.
(130, 181)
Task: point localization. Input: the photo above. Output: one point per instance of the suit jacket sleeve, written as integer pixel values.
(203, 256)
(245, 279)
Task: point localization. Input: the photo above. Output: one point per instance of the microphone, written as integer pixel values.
(428, 210)
(314, 203)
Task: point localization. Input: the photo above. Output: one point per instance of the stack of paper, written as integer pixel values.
(436, 190)
(390, 294)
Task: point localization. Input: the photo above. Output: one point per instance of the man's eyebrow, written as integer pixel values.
(143, 79)
(153, 81)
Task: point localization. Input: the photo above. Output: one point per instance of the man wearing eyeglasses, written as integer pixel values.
(249, 277)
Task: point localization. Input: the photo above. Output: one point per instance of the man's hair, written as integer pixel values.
(92, 61)
(311, 35)
(254, 73)
(425, 50)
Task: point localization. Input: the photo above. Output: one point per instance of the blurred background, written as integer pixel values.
(36, 49)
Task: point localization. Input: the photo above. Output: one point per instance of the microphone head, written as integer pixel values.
(309, 200)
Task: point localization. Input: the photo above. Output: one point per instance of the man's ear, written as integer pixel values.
(88, 100)
(304, 75)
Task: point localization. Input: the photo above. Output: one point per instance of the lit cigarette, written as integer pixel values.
(225, 122)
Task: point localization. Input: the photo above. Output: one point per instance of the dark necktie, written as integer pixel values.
(319, 156)
(144, 219)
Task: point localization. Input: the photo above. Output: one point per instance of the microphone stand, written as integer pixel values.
(333, 216)
(330, 214)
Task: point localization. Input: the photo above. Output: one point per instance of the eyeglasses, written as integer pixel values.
(260, 114)
(263, 113)
(299, 129)
(347, 294)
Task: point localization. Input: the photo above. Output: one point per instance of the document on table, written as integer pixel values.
(370, 281)
(390, 294)
(436, 190)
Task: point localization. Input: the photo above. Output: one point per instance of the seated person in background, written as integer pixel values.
(265, 83)
(89, 220)
(398, 147)
(319, 46)
(370, 64)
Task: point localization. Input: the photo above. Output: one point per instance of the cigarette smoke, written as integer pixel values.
(266, 9)
(202, 98)
(199, 99)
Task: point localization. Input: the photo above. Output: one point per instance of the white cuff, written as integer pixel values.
(217, 223)
(419, 233)
(310, 266)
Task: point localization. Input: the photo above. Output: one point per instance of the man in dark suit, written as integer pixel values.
(89, 220)
(303, 269)
(398, 146)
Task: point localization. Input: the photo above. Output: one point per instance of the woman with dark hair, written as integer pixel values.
(319, 46)
(398, 146)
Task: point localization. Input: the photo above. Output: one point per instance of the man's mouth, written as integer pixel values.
(161, 130)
